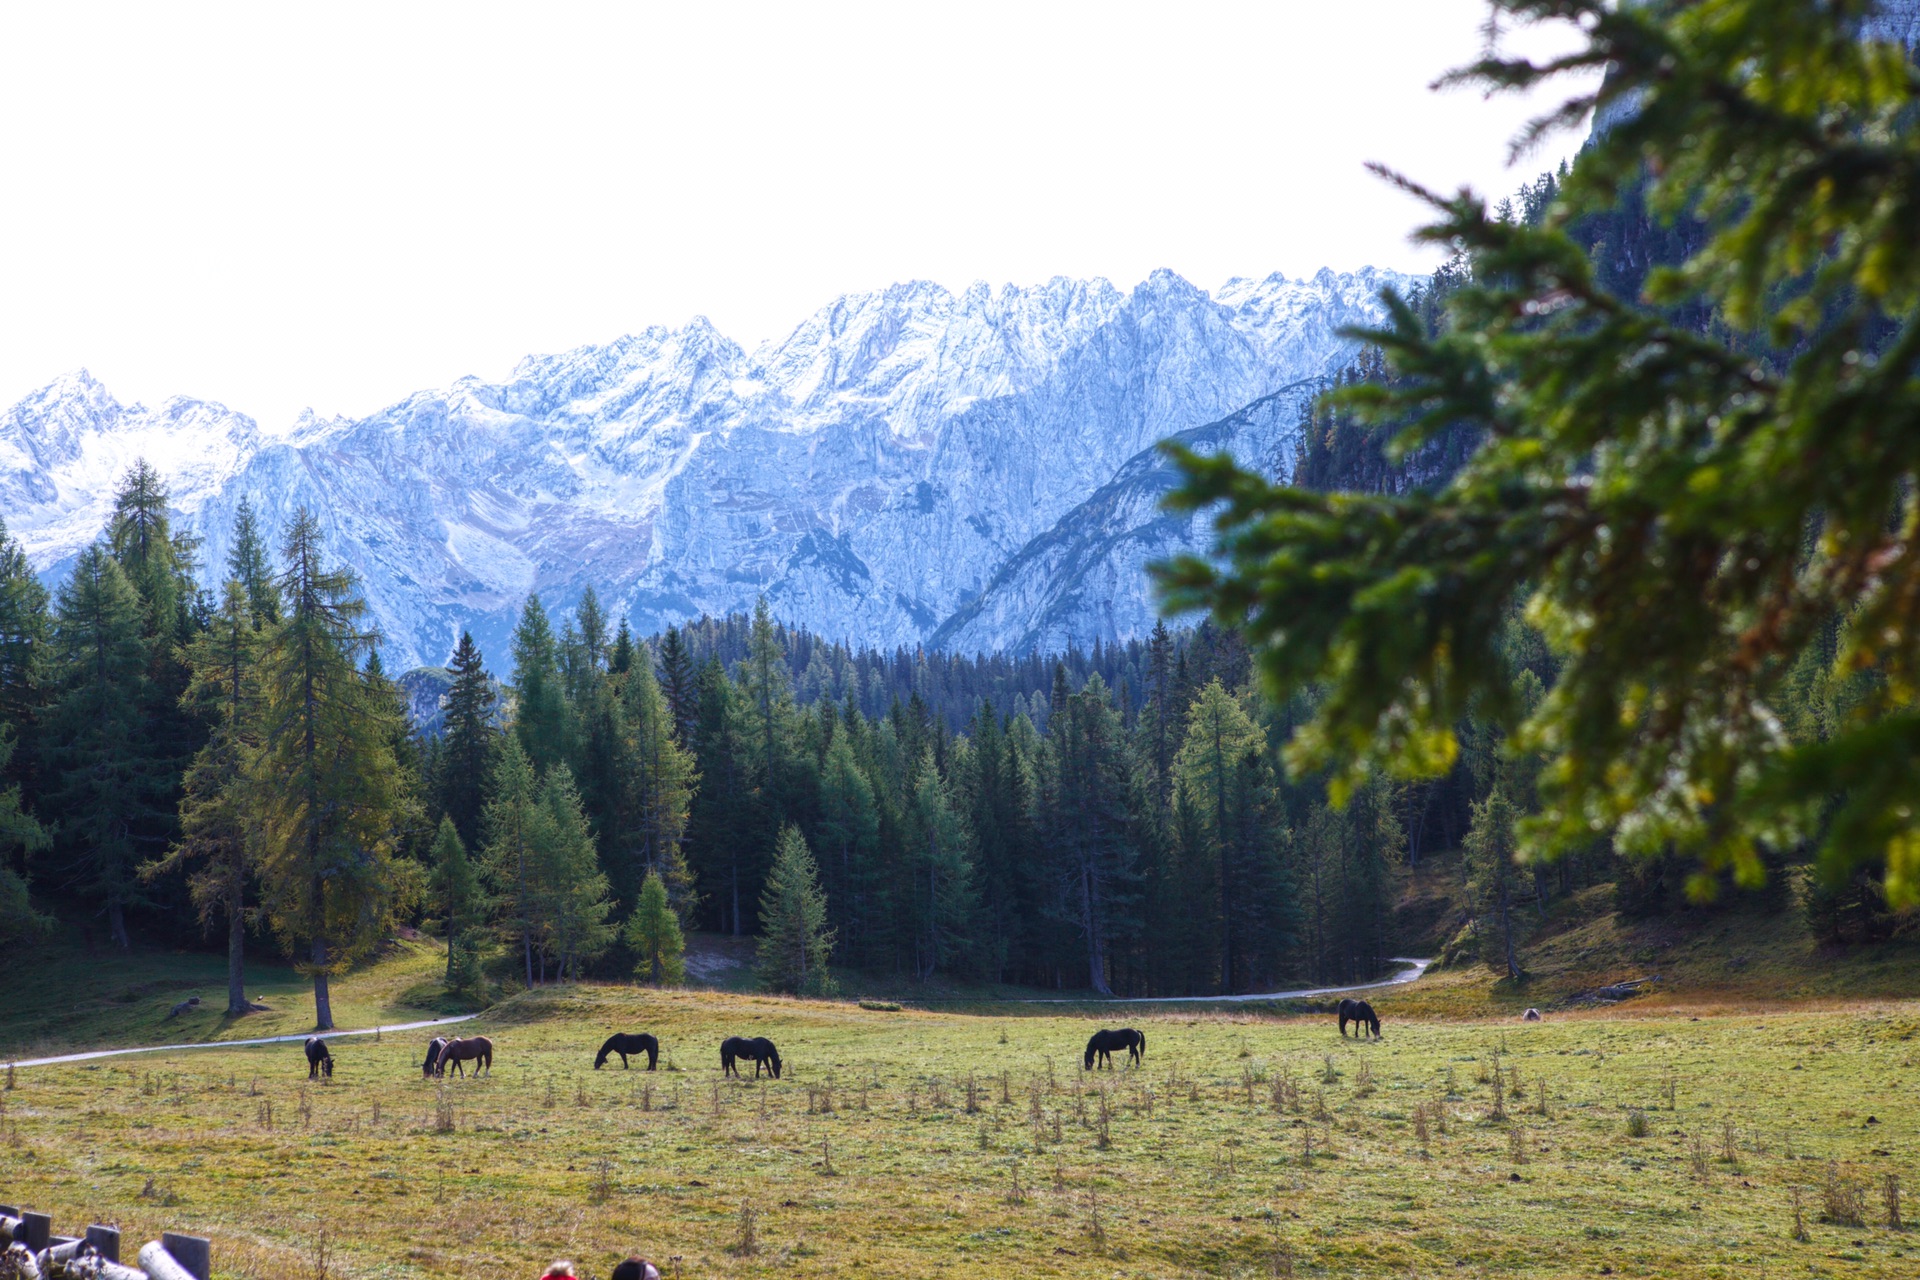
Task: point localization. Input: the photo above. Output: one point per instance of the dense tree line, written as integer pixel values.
(1114, 819)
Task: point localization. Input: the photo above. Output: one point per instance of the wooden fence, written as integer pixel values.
(97, 1253)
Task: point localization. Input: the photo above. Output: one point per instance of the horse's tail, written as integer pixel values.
(1143, 1042)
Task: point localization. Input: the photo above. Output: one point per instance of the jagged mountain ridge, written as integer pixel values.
(1084, 578)
(871, 473)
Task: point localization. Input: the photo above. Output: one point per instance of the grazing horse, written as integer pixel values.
(624, 1044)
(758, 1050)
(1107, 1043)
(475, 1049)
(435, 1047)
(318, 1058)
(1359, 1011)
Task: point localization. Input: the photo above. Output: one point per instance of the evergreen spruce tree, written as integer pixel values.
(158, 564)
(848, 837)
(331, 797)
(461, 905)
(653, 935)
(620, 661)
(249, 562)
(512, 821)
(219, 817)
(727, 819)
(1490, 847)
(944, 899)
(1220, 735)
(1088, 823)
(18, 832)
(794, 938)
(467, 744)
(110, 788)
(25, 627)
(661, 786)
(768, 684)
(680, 684)
(592, 620)
(570, 879)
(542, 719)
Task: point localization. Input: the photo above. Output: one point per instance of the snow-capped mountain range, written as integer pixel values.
(906, 466)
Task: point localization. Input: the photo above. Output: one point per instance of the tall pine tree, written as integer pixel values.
(111, 789)
(330, 794)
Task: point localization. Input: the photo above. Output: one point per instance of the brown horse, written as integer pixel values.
(475, 1049)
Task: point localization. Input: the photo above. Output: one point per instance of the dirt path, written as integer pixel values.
(233, 1044)
(1413, 974)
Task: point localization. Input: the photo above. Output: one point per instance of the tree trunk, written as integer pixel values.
(526, 940)
(236, 956)
(322, 999)
(736, 894)
(117, 925)
(1506, 930)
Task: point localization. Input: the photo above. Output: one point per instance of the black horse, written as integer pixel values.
(319, 1060)
(757, 1050)
(435, 1047)
(624, 1044)
(1108, 1043)
(1359, 1011)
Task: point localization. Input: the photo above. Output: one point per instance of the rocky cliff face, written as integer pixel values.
(872, 474)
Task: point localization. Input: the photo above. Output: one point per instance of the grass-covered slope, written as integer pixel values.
(61, 997)
(1736, 956)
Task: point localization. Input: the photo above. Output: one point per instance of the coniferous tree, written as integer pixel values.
(592, 623)
(994, 784)
(848, 837)
(795, 940)
(332, 801)
(1490, 847)
(467, 745)
(18, 831)
(110, 787)
(727, 818)
(512, 821)
(680, 684)
(542, 719)
(461, 905)
(943, 898)
(653, 935)
(219, 827)
(158, 563)
(570, 880)
(1220, 735)
(1088, 823)
(660, 786)
(767, 682)
(25, 626)
(249, 562)
(620, 661)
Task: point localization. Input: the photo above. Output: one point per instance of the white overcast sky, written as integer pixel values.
(281, 206)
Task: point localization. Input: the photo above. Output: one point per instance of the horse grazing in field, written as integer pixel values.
(758, 1050)
(319, 1058)
(475, 1049)
(435, 1047)
(1359, 1011)
(1107, 1043)
(624, 1044)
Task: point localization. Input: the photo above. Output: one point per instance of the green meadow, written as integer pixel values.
(904, 1143)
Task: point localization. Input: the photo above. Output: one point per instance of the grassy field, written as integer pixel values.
(1244, 1146)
